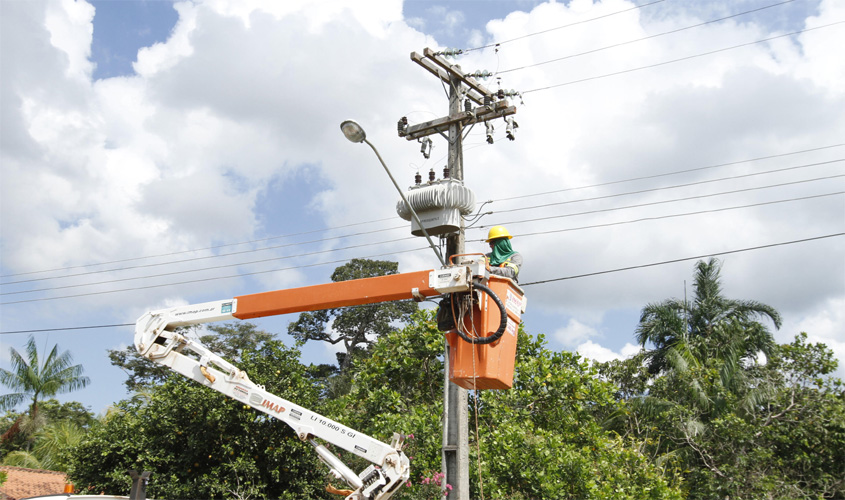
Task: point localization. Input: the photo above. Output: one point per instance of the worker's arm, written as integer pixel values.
(509, 269)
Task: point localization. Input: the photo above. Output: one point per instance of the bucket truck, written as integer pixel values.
(157, 339)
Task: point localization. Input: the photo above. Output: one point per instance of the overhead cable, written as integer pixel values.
(644, 219)
(661, 202)
(673, 261)
(217, 256)
(675, 172)
(616, 73)
(665, 174)
(661, 217)
(237, 264)
(596, 273)
(676, 186)
(169, 254)
(564, 26)
(241, 275)
(644, 38)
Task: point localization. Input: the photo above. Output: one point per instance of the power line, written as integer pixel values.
(496, 44)
(241, 275)
(205, 257)
(40, 330)
(640, 205)
(173, 273)
(665, 174)
(681, 59)
(673, 261)
(644, 219)
(206, 268)
(676, 186)
(644, 38)
(676, 172)
(169, 254)
(670, 216)
(597, 273)
(119, 280)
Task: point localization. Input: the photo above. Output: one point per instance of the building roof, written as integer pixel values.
(24, 483)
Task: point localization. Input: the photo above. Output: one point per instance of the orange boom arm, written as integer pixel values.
(339, 294)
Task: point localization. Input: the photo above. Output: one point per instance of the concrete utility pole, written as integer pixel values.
(455, 449)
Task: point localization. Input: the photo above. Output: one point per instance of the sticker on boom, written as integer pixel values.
(240, 393)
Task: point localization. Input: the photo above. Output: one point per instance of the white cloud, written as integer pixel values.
(602, 354)
(244, 95)
(823, 325)
(574, 333)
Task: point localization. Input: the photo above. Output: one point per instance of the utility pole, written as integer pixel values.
(455, 450)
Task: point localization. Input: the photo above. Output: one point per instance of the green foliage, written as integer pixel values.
(71, 411)
(200, 444)
(139, 370)
(773, 430)
(677, 328)
(356, 328)
(42, 442)
(52, 444)
(229, 340)
(541, 439)
(33, 378)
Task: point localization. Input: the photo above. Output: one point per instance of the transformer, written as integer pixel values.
(439, 205)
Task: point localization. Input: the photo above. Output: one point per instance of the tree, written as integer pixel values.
(229, 340)
(355, 327)
(201, 444)
(678, 328)
(33, 379)
(51, 447)
(28, 444)
(788, 445)
(540, 439)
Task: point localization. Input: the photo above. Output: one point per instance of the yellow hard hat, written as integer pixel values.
(497, 232)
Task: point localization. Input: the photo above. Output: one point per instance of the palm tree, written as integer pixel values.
(709, 326)
(50, 443)
(32, 379)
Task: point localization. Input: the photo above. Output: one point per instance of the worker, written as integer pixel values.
(502, 259)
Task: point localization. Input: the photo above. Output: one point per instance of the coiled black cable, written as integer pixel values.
(503, 322)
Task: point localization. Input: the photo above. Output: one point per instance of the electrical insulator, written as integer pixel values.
(450, 52)
(489, 132)
(467, 105)
(446, 172)
(510, 128)
(500, 94)
(488, 99)
(481, 74)
(431, 175)
(418, 179)
(402, 125)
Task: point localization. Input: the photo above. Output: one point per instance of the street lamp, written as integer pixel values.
(355, 133)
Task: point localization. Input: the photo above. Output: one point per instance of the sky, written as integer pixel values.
(158, 153)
